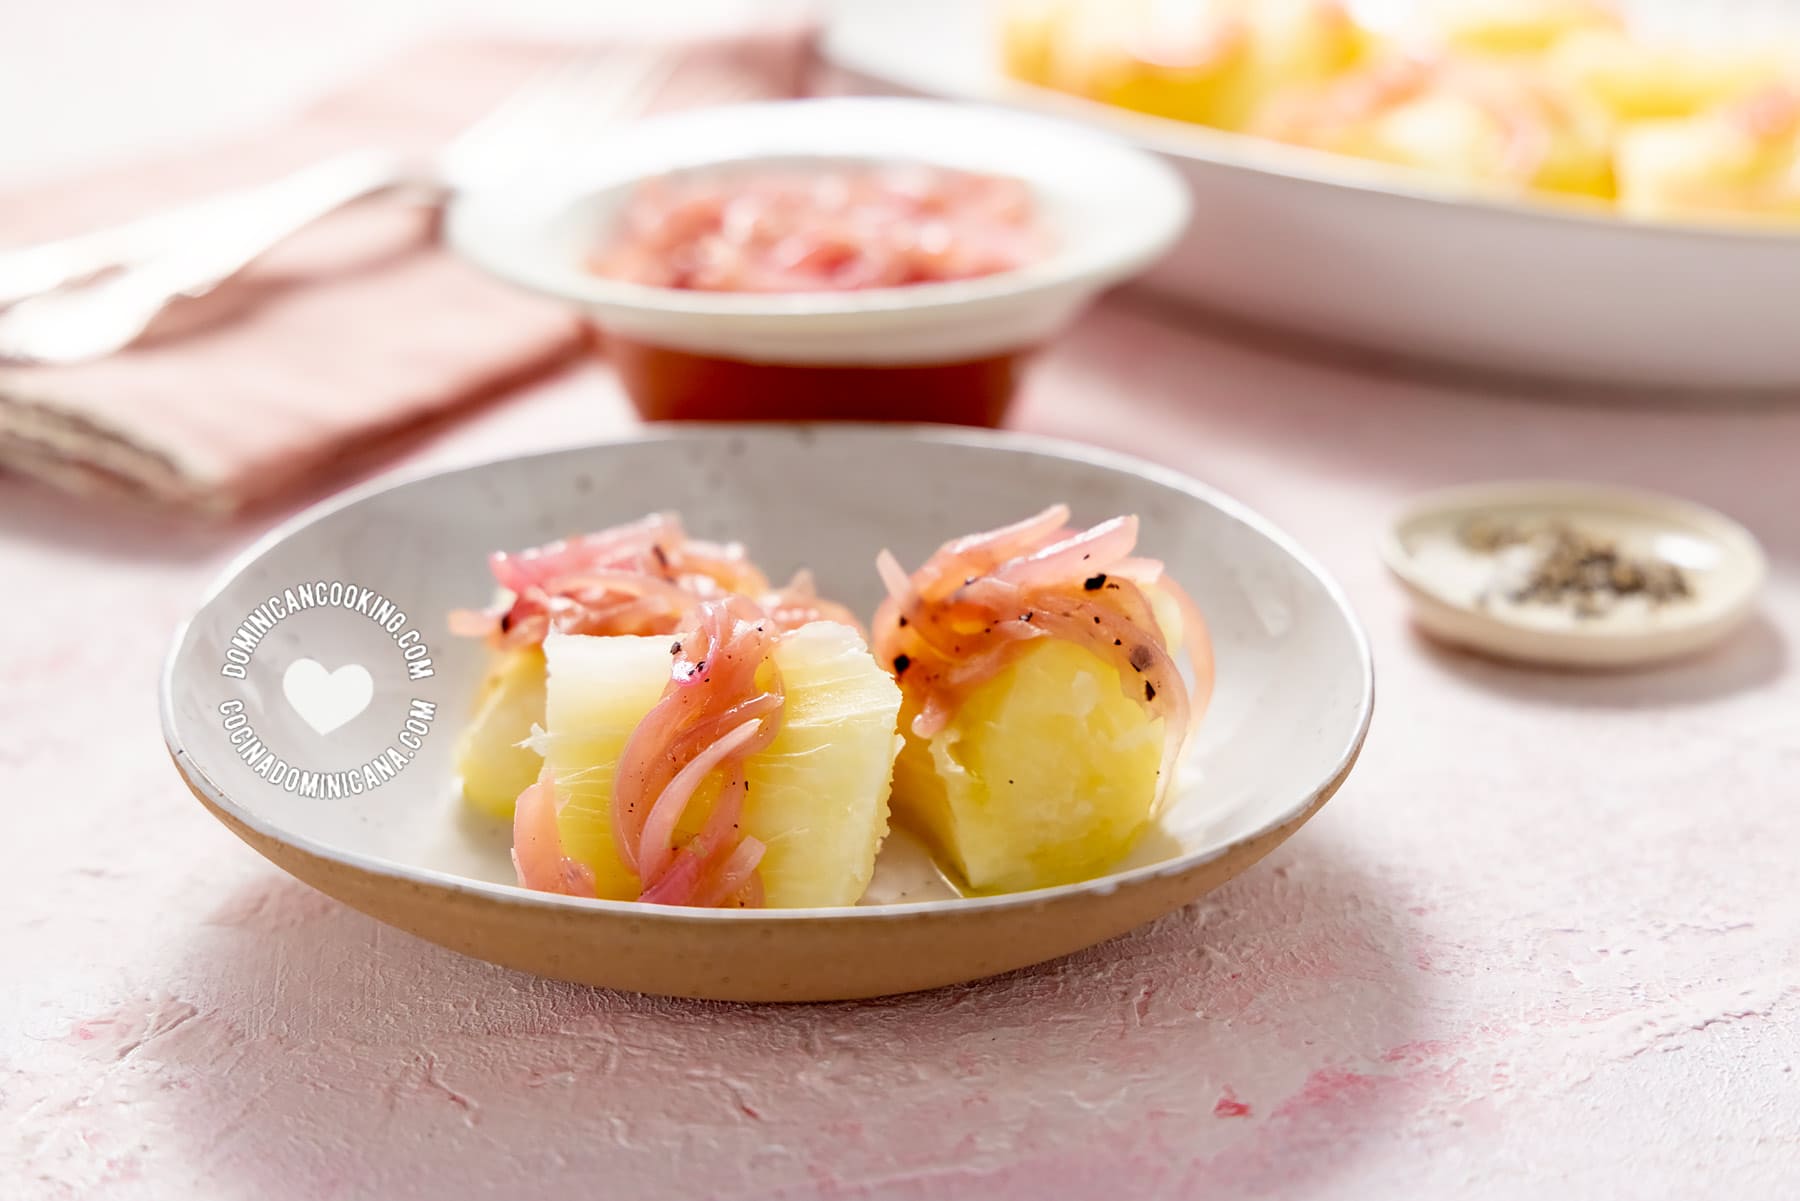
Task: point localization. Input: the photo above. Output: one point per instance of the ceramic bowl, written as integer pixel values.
(370, 810)
(1400, 263)
(1455, 598)
(948, 351)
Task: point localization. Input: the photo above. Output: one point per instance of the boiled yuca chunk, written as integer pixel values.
(492, 757)
(1739, 160)
(1466, 119)
(818, 795)
(1044, 710)
(1520, 27)
(1639, 79)
(1046, 775)
(1211, 64)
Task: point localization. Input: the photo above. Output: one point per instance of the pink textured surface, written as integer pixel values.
(1546, 938)
(1546, 942)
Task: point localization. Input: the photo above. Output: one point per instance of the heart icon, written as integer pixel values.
(324, 699)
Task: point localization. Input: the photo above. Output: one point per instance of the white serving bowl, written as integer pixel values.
(1110, 211)
(1400, 263)
(1292, 702)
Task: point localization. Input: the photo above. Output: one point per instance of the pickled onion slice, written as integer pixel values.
(723, 703)
(798, 603)
(644, 577)
(656, 842)
(537, 853)
(977, 554)
(1078, 556)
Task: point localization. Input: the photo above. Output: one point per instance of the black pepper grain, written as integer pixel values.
(1576, 568)
(901, 663)
(1149, 691)
(1094, 582)
(1141, 658)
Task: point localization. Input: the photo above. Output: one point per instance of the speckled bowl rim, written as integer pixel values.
(1301, 809)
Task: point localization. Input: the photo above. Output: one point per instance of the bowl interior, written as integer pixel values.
(1294, 679)
(586, 223)
(1109, 208)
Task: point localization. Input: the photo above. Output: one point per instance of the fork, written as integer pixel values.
(88, 320)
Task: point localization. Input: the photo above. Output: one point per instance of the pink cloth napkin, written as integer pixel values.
(350, 332)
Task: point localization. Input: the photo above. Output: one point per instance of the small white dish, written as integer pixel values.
(1294, 694)
(1459, 593)
(1363, 255)
(1110, 210)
